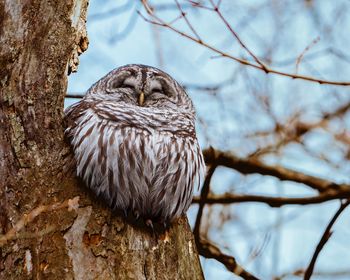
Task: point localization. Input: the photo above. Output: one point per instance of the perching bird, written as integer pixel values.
(134, 143)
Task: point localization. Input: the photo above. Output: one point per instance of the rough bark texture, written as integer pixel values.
(39, 44)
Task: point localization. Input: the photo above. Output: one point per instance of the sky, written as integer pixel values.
(248, 102)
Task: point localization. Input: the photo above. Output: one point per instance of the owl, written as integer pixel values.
(134, 143)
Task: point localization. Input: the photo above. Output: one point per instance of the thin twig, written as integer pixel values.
(230, 198)
(203, 195)
(295, 132)
(253, 166)
(183, 14)
(301, 56)
(234, 33)
(160, 22)
(210, 251)
(325, 237)
(74, 95)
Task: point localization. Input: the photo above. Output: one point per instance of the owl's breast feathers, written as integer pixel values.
(138, 160)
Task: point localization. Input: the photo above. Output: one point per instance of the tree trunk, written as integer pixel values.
(44, 231)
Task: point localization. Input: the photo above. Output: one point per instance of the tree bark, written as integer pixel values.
(44, 231)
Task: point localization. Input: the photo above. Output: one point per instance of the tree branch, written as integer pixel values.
(295, 132)
(252, 166)
(158, 21)
(234, 33)
(325, 237)
(203, 195)
(210, 251)
(229, 198)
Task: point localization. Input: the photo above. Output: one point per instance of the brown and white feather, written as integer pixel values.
(145, 159)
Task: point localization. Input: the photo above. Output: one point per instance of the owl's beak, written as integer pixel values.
(141, 98)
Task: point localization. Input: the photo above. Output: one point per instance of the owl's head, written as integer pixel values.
(141, 85)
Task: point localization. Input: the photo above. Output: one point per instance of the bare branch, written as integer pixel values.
(210, 251)
(204, 194)
(252, 166)
(295, 132)
(183, 14)
(301, 56)
(229, 198)
(74, 95)
(158, 21)
(229, 27)
(325, 237)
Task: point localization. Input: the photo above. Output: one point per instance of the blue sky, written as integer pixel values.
(248, 103)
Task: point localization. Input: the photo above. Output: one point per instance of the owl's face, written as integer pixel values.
(142, 86)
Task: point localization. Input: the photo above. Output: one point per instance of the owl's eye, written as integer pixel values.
(127, 86)
(164, 88)
(157, 90)
(115, 84)
(124, 80)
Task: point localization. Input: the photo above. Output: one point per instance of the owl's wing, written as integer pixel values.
(71, 116)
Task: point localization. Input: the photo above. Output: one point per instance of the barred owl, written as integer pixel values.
(134, 143)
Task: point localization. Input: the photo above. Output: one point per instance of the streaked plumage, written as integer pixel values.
(134, 142)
